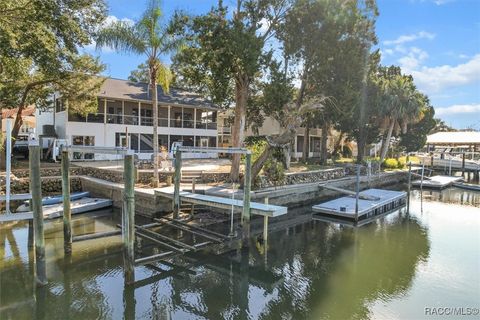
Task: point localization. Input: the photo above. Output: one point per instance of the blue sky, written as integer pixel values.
(437, 41)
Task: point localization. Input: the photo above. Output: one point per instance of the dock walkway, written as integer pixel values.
(224, 203)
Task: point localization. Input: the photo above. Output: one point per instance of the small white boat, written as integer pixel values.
(56, 210)
(25, 207)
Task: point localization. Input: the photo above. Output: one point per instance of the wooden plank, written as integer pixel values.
(97, 235)
(214, 150)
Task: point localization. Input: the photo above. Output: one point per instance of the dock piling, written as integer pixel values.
(36, 190)
(265, 225)
(128, 220)
(246, 188)
(409, 185)
(67, 214)
(177, 178)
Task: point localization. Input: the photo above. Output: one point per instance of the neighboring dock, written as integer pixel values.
(437, 182)
(345, 207)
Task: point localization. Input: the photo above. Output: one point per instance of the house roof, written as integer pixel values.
(459, 137)
(12, 113)
(139, 91)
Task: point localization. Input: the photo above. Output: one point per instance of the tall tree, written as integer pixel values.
(319, 36)
(151, 38)
(416, 136)
(39, 41)
(225, 56)
(401, 103)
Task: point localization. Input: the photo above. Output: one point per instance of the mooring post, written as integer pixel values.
(409, 186)
(8, 163)
(463, 164)
(178, 177)
(128, 220)
(36, 190)
(193, 191)
(357, 194)
(67, 214)
(246, 188)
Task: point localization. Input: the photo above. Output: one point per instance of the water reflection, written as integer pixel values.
(314, 270)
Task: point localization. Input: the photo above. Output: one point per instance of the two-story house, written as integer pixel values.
(125, 119)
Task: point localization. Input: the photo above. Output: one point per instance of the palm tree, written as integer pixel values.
(401, 104)
(148, 37)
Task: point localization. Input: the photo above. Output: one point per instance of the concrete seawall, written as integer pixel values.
(149, 205)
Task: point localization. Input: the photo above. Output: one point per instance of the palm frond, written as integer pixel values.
(121, 37)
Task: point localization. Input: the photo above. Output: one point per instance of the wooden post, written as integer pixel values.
(128, 220)
(246, 188)
(36, 189)
(357, 194)
(409, 186)
(463, 164)
(67, 214)
(177, 178)
(193, 191)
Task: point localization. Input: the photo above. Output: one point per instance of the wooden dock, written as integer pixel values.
(344, 207)
(437, 182)
(225, 203)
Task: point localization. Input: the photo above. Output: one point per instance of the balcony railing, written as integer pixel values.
(144, 121)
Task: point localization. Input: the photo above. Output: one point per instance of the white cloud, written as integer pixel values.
(413, 59)
(410, 37)
(436, 79)
(458, 108)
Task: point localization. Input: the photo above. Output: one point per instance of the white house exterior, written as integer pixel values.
(124, 119)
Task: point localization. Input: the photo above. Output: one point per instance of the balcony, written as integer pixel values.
(143, 121)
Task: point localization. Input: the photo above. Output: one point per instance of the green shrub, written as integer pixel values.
(390, 163)
(274, 171)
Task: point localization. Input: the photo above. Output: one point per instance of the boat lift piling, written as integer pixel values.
(128, 219)
(36, 190)
(409, 185)
(176, 181)
(67, 214)
(357, 192)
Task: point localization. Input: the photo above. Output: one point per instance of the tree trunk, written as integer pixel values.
(386, 142)
(287, 156)
(17, 125)
(238, 130)
(306, 144)
(258, 164)
(323, 146)
(338, 145)
(153, 81)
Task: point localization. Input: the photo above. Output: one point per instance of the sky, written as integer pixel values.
(436, 41)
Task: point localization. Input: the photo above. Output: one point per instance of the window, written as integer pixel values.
(131, 113)
(201, 142)
(188, 141)
(162, 116)
(212, 142)
(114, 112)
(163, 141)
(146, 143)
(201, 119)
(134, 142)
(121, 140)
(59, 105)
(299, 143)
(176, 117)
(187, 118)
(83, 141)
(146, 113)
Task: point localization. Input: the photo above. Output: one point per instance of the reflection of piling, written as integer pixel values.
(128, 220)
(409, 185)
(36, 190)
(67, 215)
(177, 178)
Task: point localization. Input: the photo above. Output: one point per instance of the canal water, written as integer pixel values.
(399, 267)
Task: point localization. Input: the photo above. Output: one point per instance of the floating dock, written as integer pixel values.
(437, 182)
(344, 207)
(56, 210)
